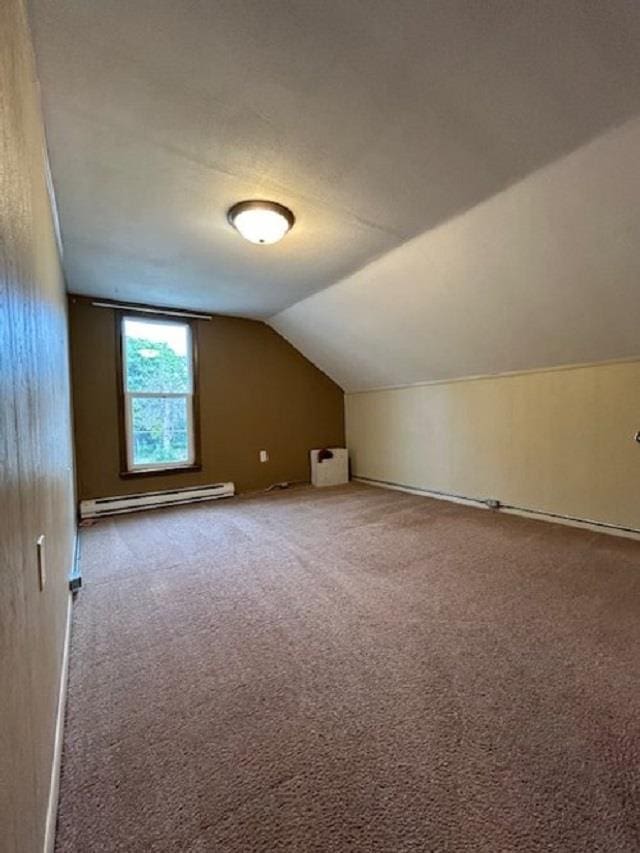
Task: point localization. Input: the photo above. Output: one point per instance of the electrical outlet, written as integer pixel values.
(42, 575)
(264, 456)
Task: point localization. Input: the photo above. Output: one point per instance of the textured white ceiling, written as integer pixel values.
(546, 273)
(373, 120)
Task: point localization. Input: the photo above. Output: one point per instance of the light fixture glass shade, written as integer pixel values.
(261, 222)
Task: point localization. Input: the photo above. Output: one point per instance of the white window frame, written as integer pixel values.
(129, 396)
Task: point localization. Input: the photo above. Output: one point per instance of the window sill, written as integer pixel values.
(155, 472)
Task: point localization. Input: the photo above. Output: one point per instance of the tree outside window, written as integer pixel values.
(158, 392)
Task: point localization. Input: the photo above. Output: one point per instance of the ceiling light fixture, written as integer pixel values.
(261, 222)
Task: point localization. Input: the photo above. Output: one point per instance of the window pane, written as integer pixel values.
(157, 356)
(160, 429)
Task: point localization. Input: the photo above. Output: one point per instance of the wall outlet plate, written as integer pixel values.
(42, 574)
(264, 456)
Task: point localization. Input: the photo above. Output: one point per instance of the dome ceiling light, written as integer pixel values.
(261, 222)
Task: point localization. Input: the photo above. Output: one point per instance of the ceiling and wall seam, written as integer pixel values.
(508, 374)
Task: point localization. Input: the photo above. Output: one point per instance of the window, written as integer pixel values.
(158, 394)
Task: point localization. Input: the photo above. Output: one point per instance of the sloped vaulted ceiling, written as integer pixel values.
(464, 174)
(545, 273)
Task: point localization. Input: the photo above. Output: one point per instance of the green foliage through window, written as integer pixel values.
(158, 392)
(154, 366)
(159, 430)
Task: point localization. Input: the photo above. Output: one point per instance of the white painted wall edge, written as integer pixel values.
(505, 375)
(54, 784)
(524, 512)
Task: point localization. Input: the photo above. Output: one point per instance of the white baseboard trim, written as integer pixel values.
(524, 512)
(54, 784)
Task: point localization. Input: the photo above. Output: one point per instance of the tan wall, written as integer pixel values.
(256, 392)
(558, 441)
(36, 458)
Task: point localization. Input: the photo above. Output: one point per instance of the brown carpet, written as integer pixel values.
(352, 670)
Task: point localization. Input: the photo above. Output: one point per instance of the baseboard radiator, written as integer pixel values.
(98, 507)
(494, 504)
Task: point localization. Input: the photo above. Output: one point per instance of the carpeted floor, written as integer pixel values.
(352, 669)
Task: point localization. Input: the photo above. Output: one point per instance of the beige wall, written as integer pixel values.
(256, 392)
(36, 491)
(557, 441)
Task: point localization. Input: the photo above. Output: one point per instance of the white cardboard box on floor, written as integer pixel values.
(330, 472)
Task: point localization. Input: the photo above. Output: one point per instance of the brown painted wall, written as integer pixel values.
(256, 392)
(36, 477)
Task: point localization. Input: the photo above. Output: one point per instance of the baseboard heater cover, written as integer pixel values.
(98, 507)
(494, 504)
